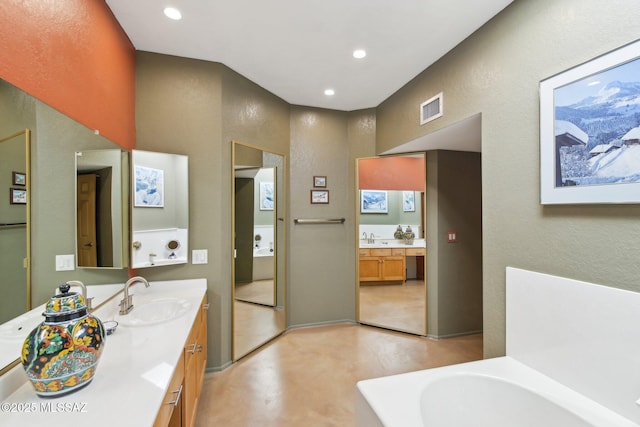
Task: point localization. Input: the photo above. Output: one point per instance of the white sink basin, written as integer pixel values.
(155, 311)
(21, 326)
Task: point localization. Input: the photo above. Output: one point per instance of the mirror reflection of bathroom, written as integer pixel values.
(258, 285)
(255, 219)
(160, 211)
(392, 291)
(14, 245)
(102, 215)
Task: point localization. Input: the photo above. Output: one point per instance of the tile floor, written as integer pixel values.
(307, 376)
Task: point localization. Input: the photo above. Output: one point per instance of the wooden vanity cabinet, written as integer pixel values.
(195, 363)
(181, 400)
(382, 265)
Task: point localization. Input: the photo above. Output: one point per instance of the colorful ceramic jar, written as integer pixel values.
(399, 234)
(62, 353)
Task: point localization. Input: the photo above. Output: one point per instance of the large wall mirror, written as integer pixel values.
(102, 226)
(160, 211)
(39, 203)
(392, 286)
(259, 247)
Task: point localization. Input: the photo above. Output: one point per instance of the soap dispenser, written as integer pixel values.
(61, 354)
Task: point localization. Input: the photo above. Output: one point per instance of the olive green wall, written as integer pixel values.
(454, 270)
(197, 108)
(496, 72)
(321, 256)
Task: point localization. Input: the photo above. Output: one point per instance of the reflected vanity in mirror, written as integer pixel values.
(160, 210)
(258, 245)
(102, 225)
(392, 288)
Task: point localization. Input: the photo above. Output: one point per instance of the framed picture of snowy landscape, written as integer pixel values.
(590, 131)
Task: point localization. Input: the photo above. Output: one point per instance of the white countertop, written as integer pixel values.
(392, 243)
(135, 368)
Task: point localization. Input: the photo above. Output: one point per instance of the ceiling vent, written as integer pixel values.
(431, 109)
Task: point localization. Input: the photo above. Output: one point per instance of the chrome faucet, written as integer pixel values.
(126, 304)
(87, 301)
(364, 236)
(372, 238)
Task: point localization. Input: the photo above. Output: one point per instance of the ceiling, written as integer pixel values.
(297, 49)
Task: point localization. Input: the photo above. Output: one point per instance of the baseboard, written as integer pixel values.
(318, 324)
(459, 334)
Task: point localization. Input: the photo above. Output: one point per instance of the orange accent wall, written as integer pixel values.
(392, 173)
(74, 56)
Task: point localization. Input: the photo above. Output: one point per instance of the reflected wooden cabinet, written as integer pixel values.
(382, 265)
(183, 394)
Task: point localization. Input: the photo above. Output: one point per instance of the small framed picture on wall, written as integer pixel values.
(18, 196)
(320, 181)
(319, 196)
(19, 178)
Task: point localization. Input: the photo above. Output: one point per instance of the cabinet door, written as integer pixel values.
(370, 269)
(393, 268)
(170, 411)
(201, 350)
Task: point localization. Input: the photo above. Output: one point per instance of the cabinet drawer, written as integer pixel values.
(416, 251)
(364, 252)
(397, 251)
(381, 252)
(172, 401)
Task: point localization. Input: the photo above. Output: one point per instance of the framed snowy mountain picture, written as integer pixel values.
(590, 131)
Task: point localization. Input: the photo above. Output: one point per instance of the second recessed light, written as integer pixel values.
(329, 92)
(359, 53)
(172, 13)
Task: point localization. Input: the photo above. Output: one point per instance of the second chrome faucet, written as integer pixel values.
(126, 305)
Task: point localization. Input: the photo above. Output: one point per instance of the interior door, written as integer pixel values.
(87, 248)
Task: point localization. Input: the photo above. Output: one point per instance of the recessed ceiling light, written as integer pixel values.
(172, 13)
(359, 53)
(329, 92)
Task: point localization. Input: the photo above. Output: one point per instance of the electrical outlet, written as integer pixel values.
(65, 262)
(199, 256)
(452, 237)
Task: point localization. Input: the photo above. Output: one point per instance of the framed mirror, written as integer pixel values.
(258, 212)
(392, 280)
(160, 209)
(102, 214)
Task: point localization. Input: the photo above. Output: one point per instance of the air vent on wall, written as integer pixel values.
(431, 109)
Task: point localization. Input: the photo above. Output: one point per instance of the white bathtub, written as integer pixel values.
(500, 392)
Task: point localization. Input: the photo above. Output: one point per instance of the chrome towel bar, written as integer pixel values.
(301, 221)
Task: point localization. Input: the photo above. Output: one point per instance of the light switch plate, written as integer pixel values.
(199, 256)
(65, 262)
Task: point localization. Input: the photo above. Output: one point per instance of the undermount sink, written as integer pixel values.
(20, 327)
(155, 311)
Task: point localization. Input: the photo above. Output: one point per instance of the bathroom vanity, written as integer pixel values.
(385, 261)
(150, 373)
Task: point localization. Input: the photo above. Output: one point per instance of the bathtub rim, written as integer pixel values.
(395, 400)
